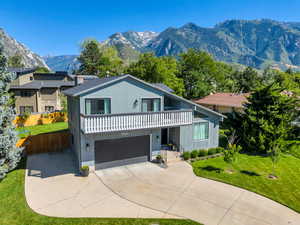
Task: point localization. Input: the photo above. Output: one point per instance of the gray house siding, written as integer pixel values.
(187, 133)
(74, 125)
(124, 94)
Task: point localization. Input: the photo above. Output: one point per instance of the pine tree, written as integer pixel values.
(267, 123)
(9, 154)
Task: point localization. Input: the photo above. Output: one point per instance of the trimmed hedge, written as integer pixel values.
(186, 155)
(194, 154)
(212, 151)
(202, 152)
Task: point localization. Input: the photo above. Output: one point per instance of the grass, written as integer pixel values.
(15, 211)
(251, 173)
(40, 129)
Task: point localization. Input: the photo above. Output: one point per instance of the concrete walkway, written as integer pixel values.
(145, 191)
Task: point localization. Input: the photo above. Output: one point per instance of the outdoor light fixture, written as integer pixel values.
(87, 145)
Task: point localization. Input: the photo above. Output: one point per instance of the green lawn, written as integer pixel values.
(39, 129)
(14, 209)
(251, 172)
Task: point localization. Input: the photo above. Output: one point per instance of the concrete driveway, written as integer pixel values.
(53, 188)
(177, 191)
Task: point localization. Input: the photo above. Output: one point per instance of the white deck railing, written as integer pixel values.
(135, 121)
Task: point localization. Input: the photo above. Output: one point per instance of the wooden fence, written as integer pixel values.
(48, 142)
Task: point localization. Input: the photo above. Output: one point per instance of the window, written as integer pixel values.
(97, 106)
(200, 131)
(26, 109)
(26, 93)
(49, 108)
(151, 105)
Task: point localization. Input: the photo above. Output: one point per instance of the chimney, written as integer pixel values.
(78, 80)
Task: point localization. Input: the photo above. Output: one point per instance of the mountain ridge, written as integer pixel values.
(259, 43)
(13, 47)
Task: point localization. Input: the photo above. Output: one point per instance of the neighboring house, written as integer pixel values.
(224, 102)
(121, 120)
(36, 92)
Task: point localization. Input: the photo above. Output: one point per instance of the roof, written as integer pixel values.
(85, 77)
(163, 86)
(19, 71)
(90, 84)
(44, 84)
(93, 84)
(224, 99)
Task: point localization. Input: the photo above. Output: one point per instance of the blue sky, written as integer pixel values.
(57, 27)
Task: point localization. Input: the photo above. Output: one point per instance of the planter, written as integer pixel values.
(85, 171)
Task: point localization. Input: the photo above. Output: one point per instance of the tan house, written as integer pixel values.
(224, 102)
(36, 92)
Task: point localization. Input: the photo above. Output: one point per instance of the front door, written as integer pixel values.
(164, 136)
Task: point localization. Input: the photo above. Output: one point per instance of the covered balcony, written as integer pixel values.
(134, 121)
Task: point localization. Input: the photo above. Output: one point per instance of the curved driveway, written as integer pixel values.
(177, 191)
(144, 190)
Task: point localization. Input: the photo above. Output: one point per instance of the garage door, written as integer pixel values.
(123, 151)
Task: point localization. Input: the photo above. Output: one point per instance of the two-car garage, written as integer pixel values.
(122, 151)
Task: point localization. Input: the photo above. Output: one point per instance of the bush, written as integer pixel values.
(202, 152)
(85, 168)
(186, 155)
(211, 151)
(219, 149)
(158, 157)
(194, 154)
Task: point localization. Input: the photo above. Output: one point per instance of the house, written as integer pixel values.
(224, 102)
(122, 120)
(37, 92)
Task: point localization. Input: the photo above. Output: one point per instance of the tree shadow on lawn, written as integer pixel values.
(249, 173)
(212, 169)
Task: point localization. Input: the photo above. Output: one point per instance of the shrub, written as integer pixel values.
(186, 155)
(85, 168)
(219, 149)
(158, 157)
(211, 151)
(202, 152)
(194, 154)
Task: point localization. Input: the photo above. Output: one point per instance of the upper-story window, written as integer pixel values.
(97, 106)
(151, 105)
(26, 93)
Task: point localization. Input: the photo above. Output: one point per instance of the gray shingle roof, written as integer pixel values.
(90, 84)
(21, 70)
(163, 86)
(95, 83)
(44, 84)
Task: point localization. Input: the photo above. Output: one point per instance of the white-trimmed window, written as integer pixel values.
(97, 106)
(201, 131)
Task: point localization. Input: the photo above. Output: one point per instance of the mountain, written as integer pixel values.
(257, 43)
(62, 62)
(133, 39)
(12, 47)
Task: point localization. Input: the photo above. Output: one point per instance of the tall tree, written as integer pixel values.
(157, 70)
(42, 69)
(247, 80)
(266, 124)
(16, 61)
(199, 73)
(99, 60)
(9, 153)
